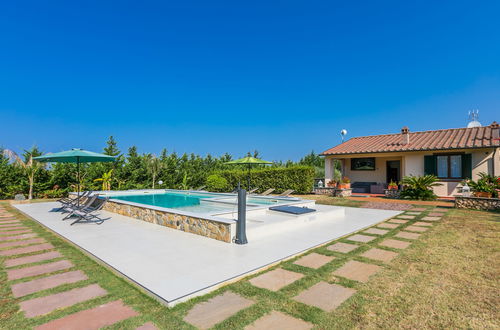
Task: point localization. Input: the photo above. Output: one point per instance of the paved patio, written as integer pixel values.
(175, 265)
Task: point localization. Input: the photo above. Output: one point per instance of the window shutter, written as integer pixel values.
(467, 166)
(430, 165)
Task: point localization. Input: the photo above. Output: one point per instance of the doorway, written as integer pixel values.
(393, 170)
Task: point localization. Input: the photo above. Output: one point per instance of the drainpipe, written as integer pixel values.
(241, 235)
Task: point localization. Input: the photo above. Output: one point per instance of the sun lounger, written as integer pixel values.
(286, 193)
(72, 208)
(253, 190)
(74, 201)
(90, 213)
(200, 188)
(267, 192)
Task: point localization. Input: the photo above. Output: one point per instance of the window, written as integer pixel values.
(363, 164)
(449, 166)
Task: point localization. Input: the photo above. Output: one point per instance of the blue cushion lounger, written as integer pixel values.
(292, 209)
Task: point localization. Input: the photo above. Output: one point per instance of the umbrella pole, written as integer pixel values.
(249, 166)
(78, 178)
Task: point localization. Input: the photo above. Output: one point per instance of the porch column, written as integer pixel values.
(328, 169)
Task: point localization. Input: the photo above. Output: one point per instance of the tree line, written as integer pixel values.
(19, 174)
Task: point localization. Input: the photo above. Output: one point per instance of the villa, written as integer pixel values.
(371, 162)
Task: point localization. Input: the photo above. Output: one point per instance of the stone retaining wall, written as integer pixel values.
(209, 228)
(477, 203)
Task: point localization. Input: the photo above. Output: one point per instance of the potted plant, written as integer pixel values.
(392, 186)
(345, 183)
(331, 183)
(486, 186)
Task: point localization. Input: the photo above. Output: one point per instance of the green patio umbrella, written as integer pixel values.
(75, 156)
(249, 161)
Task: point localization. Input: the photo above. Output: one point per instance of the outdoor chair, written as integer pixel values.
(253, 190)
(267, 192)
(88, 214)
(200, 188)
(286, 193)
(69, 202)
(72, 208)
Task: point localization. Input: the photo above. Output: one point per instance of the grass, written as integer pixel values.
(448, 278)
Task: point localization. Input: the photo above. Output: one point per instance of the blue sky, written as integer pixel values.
(283, 77)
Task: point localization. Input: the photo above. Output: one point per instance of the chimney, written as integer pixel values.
(405, 132)
(495, 130)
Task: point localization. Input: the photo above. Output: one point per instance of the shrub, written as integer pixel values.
(217, 183)
(486, 183)
(54, 193)
(299, 178)
(419, 187)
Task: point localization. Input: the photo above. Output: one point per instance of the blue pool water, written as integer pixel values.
(169, 200)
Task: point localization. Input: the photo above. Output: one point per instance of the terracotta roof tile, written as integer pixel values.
(445, 139)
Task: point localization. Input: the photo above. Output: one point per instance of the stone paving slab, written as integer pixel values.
(147, 326)
(422, 224)
(314, 260)
(44, 305)
(376, 231)
(275, 279)
(325, 296)
(7, 225)
(435, 214)
(32, 259)
(7, 230)
(413, 213)
(408, 217)
(15, 274)
(360, 238)
(45, 283)
(9, 222)
(21, 243)
(92, 319)
(407, 235)
(16, 237)
(14, 232)
(388, 225)
(419, 229)
(398, 221)
(277, 320)
(431, 218)
(419, 209)
(358, 271)
(207, 314)
(380, 255)
(342, 247)
(28, 249)
(395, 244)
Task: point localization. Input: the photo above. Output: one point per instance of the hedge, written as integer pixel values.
(298, 178)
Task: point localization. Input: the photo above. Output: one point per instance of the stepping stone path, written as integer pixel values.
(358, 271)
(275, 279)
(313, 260)
(21, 243)
(147, 326)
(413, 213)
(407, 235)
(417, 228)
(207, 314)
(49, 282)
(398, 221)
(47, 304)
(32, 259)
(380, 255)
(431, 218)
(388, 225)
(376, 231)
(419, 209)
(278, 320)
(423, 224)
(325, 296)
(409, 217)
(360, 238)
(13, 235)
(342, 247)
(395, 244)
(95, 318)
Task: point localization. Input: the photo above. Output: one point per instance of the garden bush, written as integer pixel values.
(217, 183)
(299, 178)
(419, 187)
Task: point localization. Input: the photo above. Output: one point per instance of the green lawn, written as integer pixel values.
(448, 278)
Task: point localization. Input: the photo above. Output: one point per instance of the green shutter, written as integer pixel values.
(467, 166)
(430, 165)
